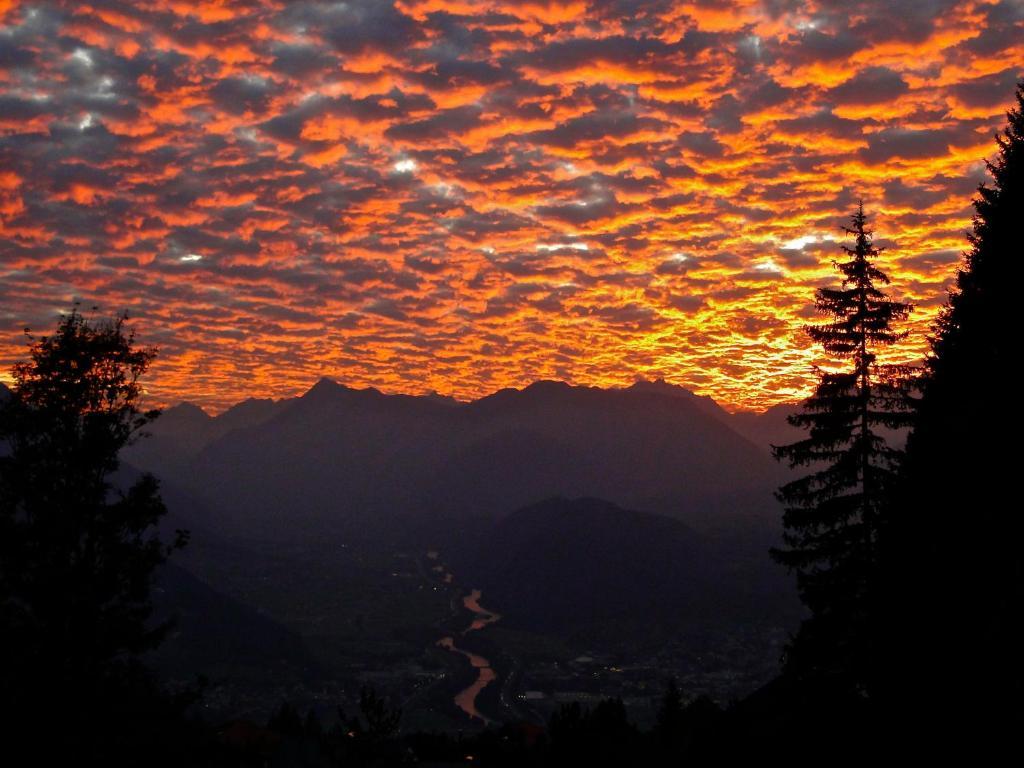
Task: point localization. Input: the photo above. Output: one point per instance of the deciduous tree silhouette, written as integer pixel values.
(832, 514)
(952, 587)
(77, 553)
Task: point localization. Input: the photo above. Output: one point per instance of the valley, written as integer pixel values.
(439, 527)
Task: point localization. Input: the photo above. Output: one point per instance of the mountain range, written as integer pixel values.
(359, 463)
(588, 514)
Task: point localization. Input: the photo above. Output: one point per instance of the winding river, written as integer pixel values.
(466, 699)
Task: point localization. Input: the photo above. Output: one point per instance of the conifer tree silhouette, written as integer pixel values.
(831, 517)
(952, 587)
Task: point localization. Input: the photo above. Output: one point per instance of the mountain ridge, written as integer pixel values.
(579, 565)
(749, 424)
(366, 462)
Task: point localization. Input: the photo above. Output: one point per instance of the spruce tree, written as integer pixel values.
(950, 597)
(832, 514)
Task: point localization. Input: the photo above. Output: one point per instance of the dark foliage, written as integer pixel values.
(576, 736)
(832, 514)
(679, 728)
(951, 594)
(602, 736)
(77, 553)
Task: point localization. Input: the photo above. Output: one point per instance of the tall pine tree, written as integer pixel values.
(950, 597)
(832, 514)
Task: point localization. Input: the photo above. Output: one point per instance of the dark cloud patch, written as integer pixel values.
(298, 60)
(1004, 12)
(639, 152)
(458, 73)
(988, 91)
(525, 264)
(874, 85)
(766, 92)
(355, 26)
(431, 202)
(594, 126)
(388, 308)
(749, 212)
(288, 126)
(934, 261)
(763, 273)
(632, 317)
(456, 35)
(669, 202)
(242, 94)
(22, 109)
(431, 265)
(194, 239)
(912, 22)
(684, 303)
(899, 193)
(726, 116)
(677, 265)
(581, 212)
(703, 143)
(1001, 31)
(476, 225)
(538, 297)
(904, 144)
(650, 52)
(962, 187)
(443, 124)
(750, 324)
(673, 169)
(813, 45)
(824, 122)
(597, 184)
(807, 257)
(68, 174)
(13, 56)
(393, 105)
(779, 192)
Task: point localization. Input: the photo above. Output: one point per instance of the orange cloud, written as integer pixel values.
(460, 196)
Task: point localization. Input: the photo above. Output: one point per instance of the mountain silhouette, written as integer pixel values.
(215, 635)
(362, 463)
(769, 427)
(183, 430)
(586, 566)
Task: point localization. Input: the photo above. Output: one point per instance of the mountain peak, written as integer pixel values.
(326, 386)
(185, 412)
(328, 390)
(659, 385)
(548, 385)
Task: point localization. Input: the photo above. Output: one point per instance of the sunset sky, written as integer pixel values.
(462, 196)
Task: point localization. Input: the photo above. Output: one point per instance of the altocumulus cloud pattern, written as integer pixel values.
(460, 196)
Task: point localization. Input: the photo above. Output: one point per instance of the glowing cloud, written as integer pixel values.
(441, 195)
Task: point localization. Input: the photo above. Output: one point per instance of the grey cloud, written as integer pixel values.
(873, 85)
